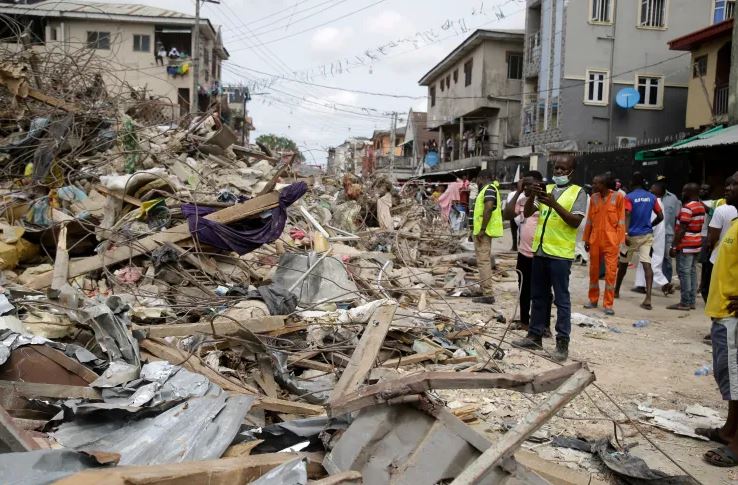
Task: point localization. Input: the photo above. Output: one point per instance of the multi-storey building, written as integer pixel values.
(579, 54)
(474, 99)
(128, 38)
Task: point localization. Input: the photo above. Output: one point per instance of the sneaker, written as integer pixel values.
(609, 311)
(589, 305)
(486, 300)
(529, 342)
(561, 354)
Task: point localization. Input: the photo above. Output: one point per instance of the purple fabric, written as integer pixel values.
(244, 236)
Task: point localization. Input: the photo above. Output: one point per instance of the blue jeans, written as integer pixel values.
(666, 265)
(550, 273)
(687, 270)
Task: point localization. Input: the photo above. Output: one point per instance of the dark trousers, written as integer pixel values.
(514, 233)
(549, 273)
(705, 281)
(525, 266)
(706, 273)
(666, 266)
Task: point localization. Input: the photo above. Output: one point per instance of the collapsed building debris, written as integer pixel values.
(179, 309)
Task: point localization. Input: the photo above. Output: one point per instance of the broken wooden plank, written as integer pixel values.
(176, 356)
(192, 363)
(175, 234)
(412, 359)
(419, 383)
(267, 382)
(57, 391)
(288, 407)
(314, 222)
(366, 351)
(280, 172)
(12, 437)
(224, 471)
(226, 327)
(241, 449)
(254, 154)
(511, 441)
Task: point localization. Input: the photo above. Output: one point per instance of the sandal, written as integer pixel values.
(678, 306)
(722, 457)
(712, 434)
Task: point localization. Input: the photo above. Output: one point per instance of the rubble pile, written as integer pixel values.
(175, 306)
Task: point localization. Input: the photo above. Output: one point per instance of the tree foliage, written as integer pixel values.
(280, 144)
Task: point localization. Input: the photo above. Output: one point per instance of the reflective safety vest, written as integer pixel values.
(558, 238)
(494, 226)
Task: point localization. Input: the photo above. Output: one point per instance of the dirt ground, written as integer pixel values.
(651, 366)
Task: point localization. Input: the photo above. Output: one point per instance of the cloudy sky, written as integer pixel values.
(389, 45)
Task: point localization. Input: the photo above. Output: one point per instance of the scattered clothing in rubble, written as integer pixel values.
(245, 236)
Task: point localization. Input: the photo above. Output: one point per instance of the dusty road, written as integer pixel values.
(654, 365)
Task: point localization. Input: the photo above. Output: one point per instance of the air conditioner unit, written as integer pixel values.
(627, 141)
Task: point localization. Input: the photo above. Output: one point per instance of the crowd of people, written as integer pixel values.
(647, 225)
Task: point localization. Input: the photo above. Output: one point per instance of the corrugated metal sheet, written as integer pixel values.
(711, 138)
(107, 8)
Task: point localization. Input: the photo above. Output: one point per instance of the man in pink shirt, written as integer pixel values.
(527, 227)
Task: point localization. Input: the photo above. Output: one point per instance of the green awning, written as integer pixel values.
(717, 136)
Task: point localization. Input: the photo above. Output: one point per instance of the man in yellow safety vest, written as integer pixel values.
(487, 225)
(562, 206)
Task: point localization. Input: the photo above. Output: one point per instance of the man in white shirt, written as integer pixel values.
(718, 226)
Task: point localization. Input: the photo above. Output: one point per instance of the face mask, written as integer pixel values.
(561, 179)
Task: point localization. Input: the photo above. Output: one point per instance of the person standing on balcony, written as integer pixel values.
(161, 53)
(562, 206)
(487, 225)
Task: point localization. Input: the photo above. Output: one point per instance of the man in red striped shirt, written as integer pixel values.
(687, 245)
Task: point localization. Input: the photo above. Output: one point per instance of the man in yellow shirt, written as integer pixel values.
(722, 308)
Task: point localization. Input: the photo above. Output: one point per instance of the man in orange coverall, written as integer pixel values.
(603, 235)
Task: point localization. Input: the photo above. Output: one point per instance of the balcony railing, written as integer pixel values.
(532, 55)
(720, 103)
(383, 161)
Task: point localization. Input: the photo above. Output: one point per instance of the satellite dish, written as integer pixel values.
(627, 98)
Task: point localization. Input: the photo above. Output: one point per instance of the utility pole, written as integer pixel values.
(194, 106)
(733, 88)
(246, 97)
(393, 142)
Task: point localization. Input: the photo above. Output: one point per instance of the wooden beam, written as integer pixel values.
(280, 171)
(419, 383)
(412, 359)
(512, 440)
(174, 234)
(229, 327)
(192, 363)
(175, 356)
(225, 471)
(12, 437)
(57, 391)
(366, 351)
(288, 407)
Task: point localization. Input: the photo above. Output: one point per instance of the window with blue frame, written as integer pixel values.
(723, 10)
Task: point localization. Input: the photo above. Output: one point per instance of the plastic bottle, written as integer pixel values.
(705, 370)
(641, 323)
